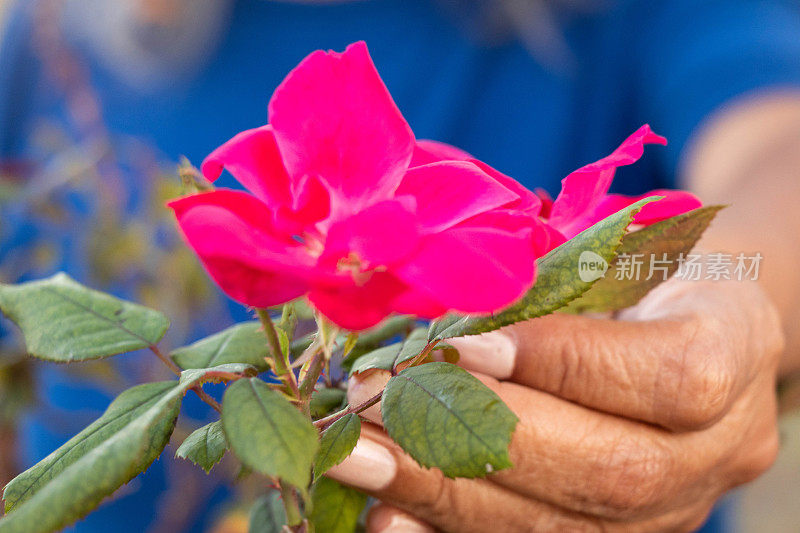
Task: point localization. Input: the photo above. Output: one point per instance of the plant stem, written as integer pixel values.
(417, 359)
(203, 395)
(176, 369)
(311, 377)
(166, 360)
(280, 360)
(293, 515)
(323, 423)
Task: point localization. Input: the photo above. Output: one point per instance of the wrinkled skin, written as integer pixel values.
(635, 424)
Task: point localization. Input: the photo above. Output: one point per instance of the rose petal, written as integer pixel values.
(230, 231)
(674, 203)
(380, 235)
(254, 160)
(334, 119)
(527, 201)
(473, 268)
(427, 151)
(356, 307)
(450, 192)
(584, 189)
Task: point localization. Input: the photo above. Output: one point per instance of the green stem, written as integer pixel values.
(177, 371)
(324, 423)
(279, 359)
(369, 339)
(166, 360)
(311, 377)
(293, 515)
(417, 359)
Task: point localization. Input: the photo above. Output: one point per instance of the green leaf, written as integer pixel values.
(267, 514)
(444, 417)
(557, 279)
(75, 478)
(336, 508)
(326, 400)
(225, 372)
(664, 241)
(267, 433)
(205, 446)
(388, 357)
(123, 442)
(63, 321)
(242, 343)
(337, 443)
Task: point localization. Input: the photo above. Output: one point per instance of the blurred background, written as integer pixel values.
(99, 99)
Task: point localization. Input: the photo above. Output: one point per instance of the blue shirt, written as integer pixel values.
(668, 63)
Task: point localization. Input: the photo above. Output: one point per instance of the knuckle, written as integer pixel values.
(634, 478)
(443, 503)
(761, 457)
(705, 381)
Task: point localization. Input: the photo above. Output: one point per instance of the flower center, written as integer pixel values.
(356, 267)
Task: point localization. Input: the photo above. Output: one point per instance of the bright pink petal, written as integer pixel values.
(378, 236)
(356, 307)
(583, 190)
(311, 203)
(449, 192)
(527, 201)
(334, 119)
(253, 158)
(546, 200)
(414, 301)
(427, 151)
(230, 231)
(555, 237)
(673, 203)
(473, 268)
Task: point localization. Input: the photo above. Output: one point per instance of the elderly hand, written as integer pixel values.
(636, 424)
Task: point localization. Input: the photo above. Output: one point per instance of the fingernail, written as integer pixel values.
(492, 353)
(370, 467)
(405, 524)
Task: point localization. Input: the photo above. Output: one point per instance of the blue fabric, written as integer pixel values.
(669, 63)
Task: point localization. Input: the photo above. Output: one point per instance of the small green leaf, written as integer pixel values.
(267, 433)
(289, 319)
(75, 478)
(224, 372)
(337, 443)
(63, 321)
(242, 343)
(557, 279)
(388, 357)
(663, 241)
(326, 400)
(444, 417)
(267, 514)
(336, 508)
(205, 446)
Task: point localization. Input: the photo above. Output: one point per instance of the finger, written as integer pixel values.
(613, 467)
(363, 386)
(380, 468)
(680, 373)
(384, 518)
(619, 469)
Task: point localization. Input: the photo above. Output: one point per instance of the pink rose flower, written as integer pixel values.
(344, 206)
